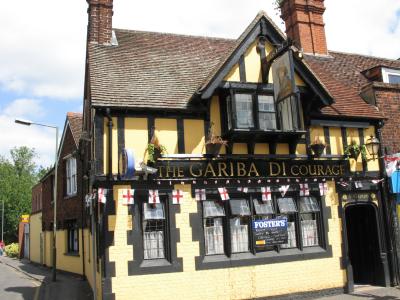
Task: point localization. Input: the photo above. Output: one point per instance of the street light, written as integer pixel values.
(29, 123)
(372, 146)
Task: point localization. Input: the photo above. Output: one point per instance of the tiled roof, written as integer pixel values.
(75, 123)
(341, 74)
(152, 70)
(149, 70)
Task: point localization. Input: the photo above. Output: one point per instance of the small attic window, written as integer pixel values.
(391, 76)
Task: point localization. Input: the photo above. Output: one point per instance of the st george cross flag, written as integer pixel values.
(200, 194)
(177, 196)
(223, 193)
(323, 188)
(358, 184)
(304, 190)
(127, 196)
(153, 197)
(102, 195)
(266, 193)
(283, 189)
(243, 189)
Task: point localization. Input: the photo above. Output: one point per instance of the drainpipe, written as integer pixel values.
(110, 126)
(387, 215)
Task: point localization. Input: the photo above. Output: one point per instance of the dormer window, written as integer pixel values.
(391, 76)
(260, 112)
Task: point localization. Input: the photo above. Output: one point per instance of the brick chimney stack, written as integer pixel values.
(100, 14)
(305, 24)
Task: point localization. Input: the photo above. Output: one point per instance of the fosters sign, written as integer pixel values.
(250, 168)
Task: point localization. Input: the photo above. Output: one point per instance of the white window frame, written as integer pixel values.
(386, 72)
(71, 176)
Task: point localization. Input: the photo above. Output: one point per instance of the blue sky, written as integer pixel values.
(43, 48)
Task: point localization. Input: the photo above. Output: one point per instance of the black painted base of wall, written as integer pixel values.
(306, 295)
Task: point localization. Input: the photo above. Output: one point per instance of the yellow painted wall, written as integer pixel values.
(167, 134)
(35, 230)
(247, 282)
(48, 241)
(335, 140)
(301, 149)
(352, 135)
(65, 262)
(89, 264)
(252, 64)
(282, 149)
(261, 148)
(372, 164)
(239, 148)
(233, 74)
(136, 136)
(194, 136)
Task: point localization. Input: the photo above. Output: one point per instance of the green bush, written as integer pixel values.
(12, 250)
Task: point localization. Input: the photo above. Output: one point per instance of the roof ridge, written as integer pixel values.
(174, 34)
(364, 55)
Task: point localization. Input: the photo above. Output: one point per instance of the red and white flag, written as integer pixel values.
(127, 196)
(283, 189)
(243, 189)
(304, 190)
(200, 194)
(223, 193)
(102, 195)
(153, 197)
(323, 188)
(266, 193)
(177, 196)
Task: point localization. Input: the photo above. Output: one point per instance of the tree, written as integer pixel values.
(17, 177)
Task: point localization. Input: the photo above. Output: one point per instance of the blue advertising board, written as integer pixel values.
(270, 232)
(395, 182)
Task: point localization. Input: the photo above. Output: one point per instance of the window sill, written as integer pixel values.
(150, 263)
(267, 257)
(75, 254)
(70, 196)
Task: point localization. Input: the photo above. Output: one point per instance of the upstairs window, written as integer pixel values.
(391, 76)
(71, 176)
(261, 112)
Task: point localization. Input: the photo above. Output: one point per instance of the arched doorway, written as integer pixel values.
(363, 244)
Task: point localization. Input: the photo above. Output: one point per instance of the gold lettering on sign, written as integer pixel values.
(253, 169)
(192, 172)
(328, 170)
(274, 166)
(169, 171)
(222, 169)
(312, 170)
(210, 170)
(160, 171)
(241, 169)
(320, 170)
(335, 170)
(284, 169)
(294, 170)
(180, 172)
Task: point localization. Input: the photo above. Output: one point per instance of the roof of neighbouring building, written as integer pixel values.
(75, 123)
(164, 71)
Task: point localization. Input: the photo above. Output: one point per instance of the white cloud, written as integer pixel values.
(43, 41)
(24, 108)
(14, 135)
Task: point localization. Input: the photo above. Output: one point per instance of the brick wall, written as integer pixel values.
(100, 21)
(36, 198)
(68, 207)
(387, 97)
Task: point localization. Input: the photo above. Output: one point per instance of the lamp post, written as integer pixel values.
(29, 123)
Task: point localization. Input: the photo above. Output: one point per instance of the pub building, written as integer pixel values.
(225, 169)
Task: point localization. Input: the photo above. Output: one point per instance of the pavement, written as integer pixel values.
(21, 279)
(367, 292)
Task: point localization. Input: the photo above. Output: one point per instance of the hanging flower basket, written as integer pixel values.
(214, 142)
(353, 150)
(213, 149)
(317, 149)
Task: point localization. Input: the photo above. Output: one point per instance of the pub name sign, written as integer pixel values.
(254, 168)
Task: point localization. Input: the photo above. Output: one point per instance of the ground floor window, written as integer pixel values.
(72, 236)
(153, 230)
(228, 224)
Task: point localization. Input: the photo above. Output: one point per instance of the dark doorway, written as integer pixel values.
(363, 244)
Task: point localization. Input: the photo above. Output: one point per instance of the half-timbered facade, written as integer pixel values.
(193, 221)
